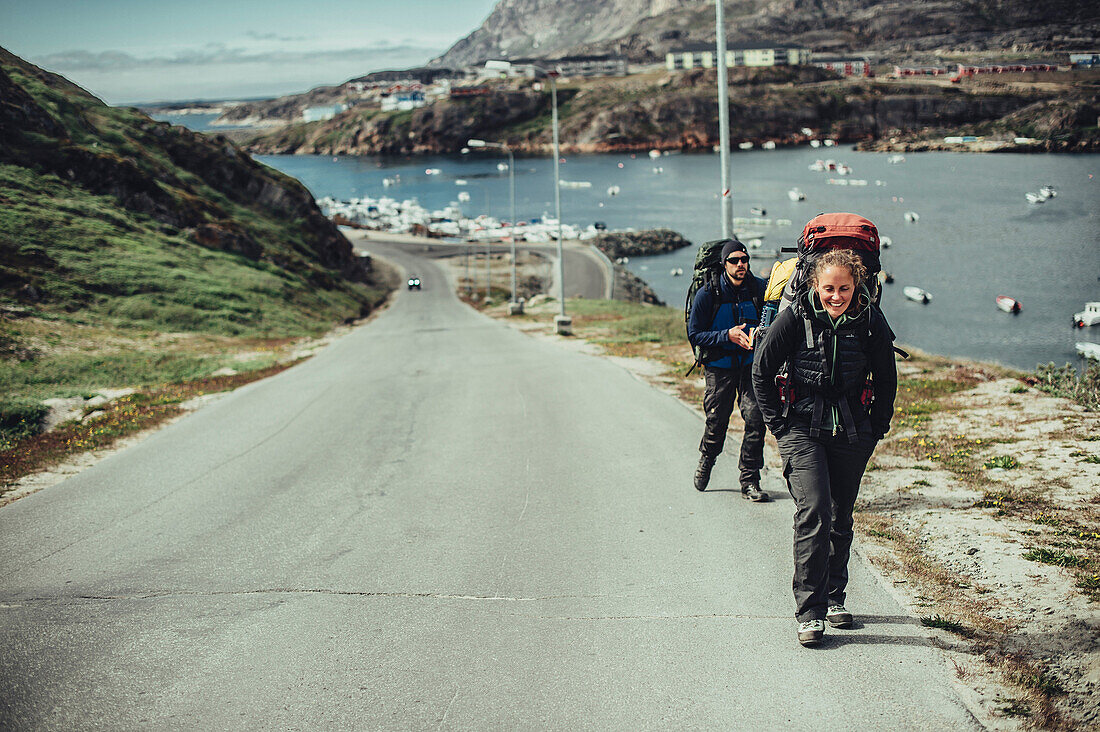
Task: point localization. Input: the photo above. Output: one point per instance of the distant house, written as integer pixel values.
(588, 65)
(403, 100)
(1087, 60)
(1008, 68)
(844, 65)
(921, 70)
(319, 114)
(702, 56)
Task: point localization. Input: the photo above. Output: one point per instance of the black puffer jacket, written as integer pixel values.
(828, 363)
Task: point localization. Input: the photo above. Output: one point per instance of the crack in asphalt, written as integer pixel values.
(13, 602)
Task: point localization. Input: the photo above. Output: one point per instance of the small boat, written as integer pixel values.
(895, 159)
(757, 211)
(1089, 316)
(886, 242)
(817, 166)
(769, 145)
(916, 294)
(613, 190)
(1048, 192)
(912, 217)
(575, 183)
(1035, 197)
(502, 167)
(463, 196)
(461, 182)
(745, 145)
(654, 154)
(796, 194)
(1089, 350)
(830, 143)
(1008, 304)
(886, 277)
(676, 271)
(815, 143)
(658, 170)
(432, 171)
(754, 243)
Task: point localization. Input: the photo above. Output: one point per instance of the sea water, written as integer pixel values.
(976, 237)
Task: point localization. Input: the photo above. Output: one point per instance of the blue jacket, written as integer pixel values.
(733, 306)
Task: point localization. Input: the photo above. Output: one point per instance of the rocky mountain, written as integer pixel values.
(107, 213)
(645, 31)
(678, 111)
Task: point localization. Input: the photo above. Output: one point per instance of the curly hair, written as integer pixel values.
(840, 258)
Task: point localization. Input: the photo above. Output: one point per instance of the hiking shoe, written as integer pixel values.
(839, 617)
(811, 632)
(752, 492)
(702, 473)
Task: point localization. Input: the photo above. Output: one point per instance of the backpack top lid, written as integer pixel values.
(839, 231)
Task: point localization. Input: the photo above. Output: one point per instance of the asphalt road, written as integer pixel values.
(435, 523)
(586, 274)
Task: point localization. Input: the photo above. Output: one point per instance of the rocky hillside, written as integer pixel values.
(678, 111)
(105, 213)
(645, 31)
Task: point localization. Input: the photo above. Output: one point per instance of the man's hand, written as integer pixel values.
(739, 337)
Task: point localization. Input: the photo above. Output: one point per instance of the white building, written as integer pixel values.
(319, 114)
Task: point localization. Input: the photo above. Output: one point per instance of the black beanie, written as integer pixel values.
(732, 245)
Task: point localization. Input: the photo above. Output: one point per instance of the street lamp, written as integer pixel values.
(514, 307)
(563, 324)
(723, 119)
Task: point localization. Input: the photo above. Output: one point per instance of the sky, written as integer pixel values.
(132, 51)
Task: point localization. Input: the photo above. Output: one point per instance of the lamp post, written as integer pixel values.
(723, 120)
(563, 324)
(514, 307)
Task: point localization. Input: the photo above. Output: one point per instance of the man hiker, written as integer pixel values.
(723, 323)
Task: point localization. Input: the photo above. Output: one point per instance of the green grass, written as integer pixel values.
(952, 626)
(1004, 462)
(629, 322)
(1056, 557)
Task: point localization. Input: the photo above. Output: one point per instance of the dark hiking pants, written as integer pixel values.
(823, 475)
(724, 389)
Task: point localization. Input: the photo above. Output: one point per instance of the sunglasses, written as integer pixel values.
(737, 260)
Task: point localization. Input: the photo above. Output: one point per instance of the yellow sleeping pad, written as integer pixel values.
(781, 272)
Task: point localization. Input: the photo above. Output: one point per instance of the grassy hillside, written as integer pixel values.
(135, 253)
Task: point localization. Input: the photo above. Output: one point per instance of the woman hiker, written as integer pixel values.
(830, 340)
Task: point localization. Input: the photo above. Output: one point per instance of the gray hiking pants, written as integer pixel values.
(726, 388)
(823, 475)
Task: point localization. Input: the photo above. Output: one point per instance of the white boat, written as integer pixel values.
(1008, 304)
(830, 143)
(502, 167)
(1048, 192)
(817, 166)
(912, 217)
(895, 159)
(754, 243)
(654, 154)
(886, 242)
(613, 190)
(1089, 316)
(461, 182)
(1035, 197)
(432, 171)
(676, 271)
(769, 145)
(757, 211)
(575, 183)
(815, 143)
(463, 196)
(916, 294)
(796, 194)
(658, 170)
(745, 145)
(1089, 350)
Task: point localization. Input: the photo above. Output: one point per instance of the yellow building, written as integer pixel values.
(702, 56)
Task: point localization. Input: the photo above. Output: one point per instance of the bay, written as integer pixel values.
(976, 237)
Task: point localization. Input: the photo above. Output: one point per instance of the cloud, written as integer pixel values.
(274, 37)
(221, 55)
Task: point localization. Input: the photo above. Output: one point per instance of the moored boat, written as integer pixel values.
(1089, 350)
(1008, 304)
(1089, 316)
(916, 294)
(796, 194)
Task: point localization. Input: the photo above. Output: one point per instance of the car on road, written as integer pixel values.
(414, 283)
